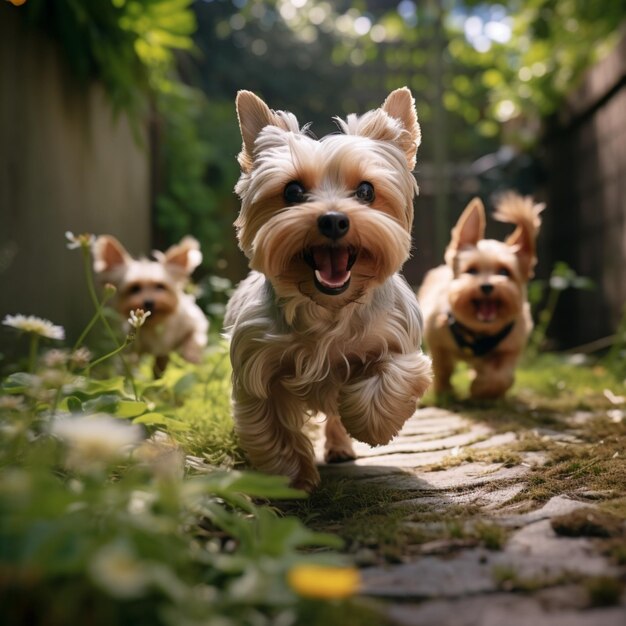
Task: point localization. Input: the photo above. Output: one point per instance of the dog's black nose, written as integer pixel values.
(333, 225)
(486, 288)
(148, 305)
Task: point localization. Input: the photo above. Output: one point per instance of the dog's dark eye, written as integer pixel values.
(134, 289)
(294, 193)
(365, 192)
(160, 287)
(472, 270)
(503, 271)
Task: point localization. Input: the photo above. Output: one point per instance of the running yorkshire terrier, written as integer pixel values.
(475, 306)
(176, 323)
(324, 323)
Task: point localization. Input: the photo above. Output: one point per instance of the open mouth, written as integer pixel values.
(486, 309)
(331, 266)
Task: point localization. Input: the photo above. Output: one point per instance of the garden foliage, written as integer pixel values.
(119, 501)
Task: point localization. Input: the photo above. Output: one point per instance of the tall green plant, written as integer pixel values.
(198, 169)
(544, 298)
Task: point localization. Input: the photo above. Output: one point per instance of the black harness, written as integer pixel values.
(473, 343)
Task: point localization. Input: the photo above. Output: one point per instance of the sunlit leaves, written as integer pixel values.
(127, 44)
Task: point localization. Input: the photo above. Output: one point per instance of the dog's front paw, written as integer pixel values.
(338, 445)
(340, 453)
(491, 383)
(374, 409)
(191, 352)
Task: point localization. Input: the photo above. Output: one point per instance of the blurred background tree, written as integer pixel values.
(474, 66)
(486, 76)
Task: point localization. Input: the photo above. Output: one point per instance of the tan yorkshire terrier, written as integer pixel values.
(176, 323)
(475, 306)
(324, 323)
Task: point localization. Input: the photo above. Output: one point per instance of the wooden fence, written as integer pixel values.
(66, 163)
(585, 223)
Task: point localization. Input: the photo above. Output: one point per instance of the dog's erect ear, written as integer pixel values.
(109, 254)
(400, 105)
(524, 245)
(469, 229)
(395, 121)
(182, 258)
(254, 115)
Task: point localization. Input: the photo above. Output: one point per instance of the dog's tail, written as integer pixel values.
(526, 215)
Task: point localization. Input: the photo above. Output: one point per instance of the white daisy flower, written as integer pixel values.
(138, 317)
(86, 240)
(117, 570)
(35, 325)
(95, 440)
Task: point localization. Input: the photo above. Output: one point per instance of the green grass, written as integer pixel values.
(603, 591)
(363, 515)
(544, 388)
(203, 538)
(199, 397)
(97, 526)
(382, 522)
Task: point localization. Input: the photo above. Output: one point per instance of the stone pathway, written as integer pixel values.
(535, 576)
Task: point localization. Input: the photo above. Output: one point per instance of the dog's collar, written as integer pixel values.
(471, 342)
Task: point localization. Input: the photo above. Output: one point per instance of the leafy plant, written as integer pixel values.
(127, 44)
(198, 170)
(106, 518)
(562, 277)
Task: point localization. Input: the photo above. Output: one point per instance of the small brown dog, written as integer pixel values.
(475, 306)
(176, 323)
(324, 323)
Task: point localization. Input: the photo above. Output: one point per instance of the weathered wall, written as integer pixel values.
(585, 223)
(65, 164)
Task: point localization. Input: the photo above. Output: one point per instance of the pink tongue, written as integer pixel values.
(487, 311)
(332, 264)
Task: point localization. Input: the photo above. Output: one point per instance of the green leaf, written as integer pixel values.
(20, 382)
(94, 387)
(253, 484)
(185, 383)
(106, 403)
(158, 419)
(129, 408)
(74, 405)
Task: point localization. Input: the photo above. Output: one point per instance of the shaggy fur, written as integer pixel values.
(176, 323)
(475, 306)
(324, 324)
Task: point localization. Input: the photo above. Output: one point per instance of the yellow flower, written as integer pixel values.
(319, 581)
